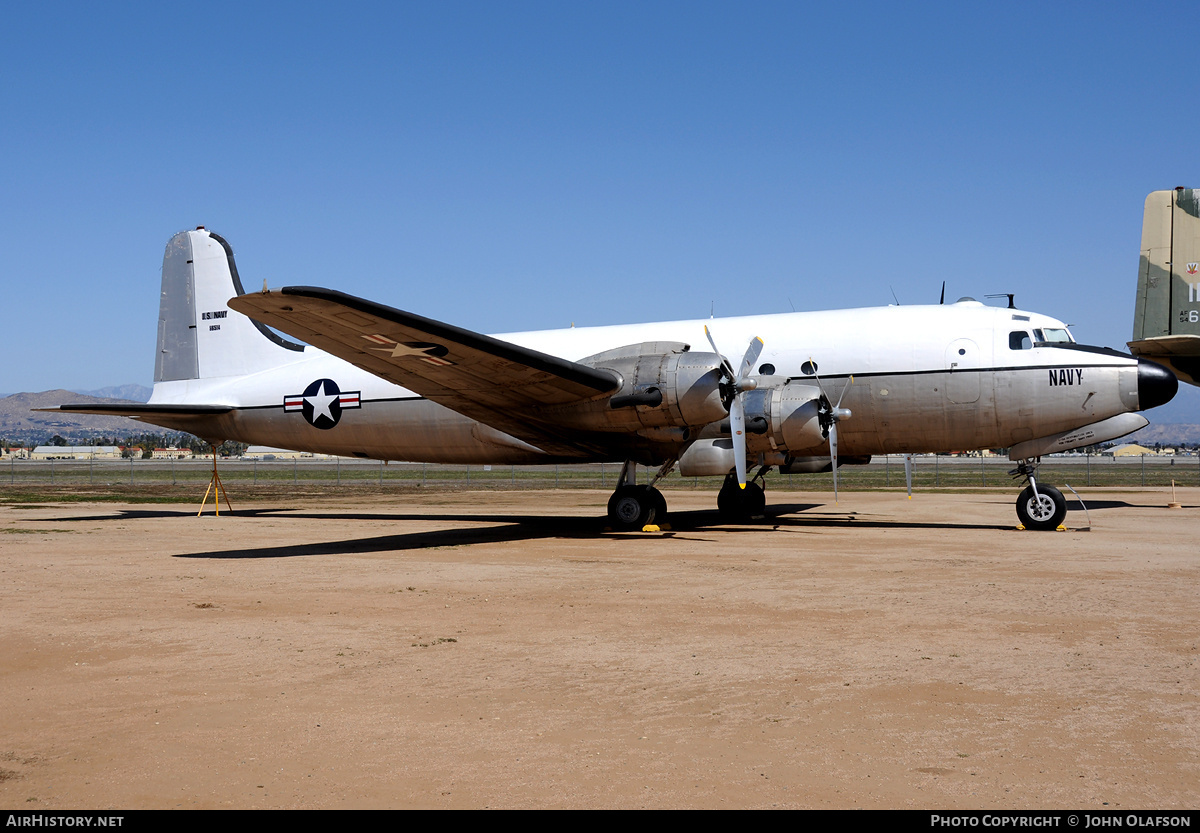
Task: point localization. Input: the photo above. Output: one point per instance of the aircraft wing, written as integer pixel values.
(495, 382)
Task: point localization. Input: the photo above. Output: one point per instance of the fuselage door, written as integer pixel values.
(962, 362)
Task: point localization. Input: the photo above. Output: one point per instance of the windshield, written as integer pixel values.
(1056, 336)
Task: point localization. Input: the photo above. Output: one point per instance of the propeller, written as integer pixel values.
(829, 416)
(908, 473)
(732, 385)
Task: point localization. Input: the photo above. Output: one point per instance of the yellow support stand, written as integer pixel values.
(214, 486)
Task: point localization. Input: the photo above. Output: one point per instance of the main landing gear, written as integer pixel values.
(1039, 507)
(738, 505)
(634, 507)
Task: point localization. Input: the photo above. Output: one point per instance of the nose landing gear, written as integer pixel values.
(1039, 507)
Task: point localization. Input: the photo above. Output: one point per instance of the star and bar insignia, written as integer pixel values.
(322, 403)
(423, 350)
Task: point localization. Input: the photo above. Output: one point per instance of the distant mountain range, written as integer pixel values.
(1170, 434)
(20, 424)
(131, 393)
(128, 393)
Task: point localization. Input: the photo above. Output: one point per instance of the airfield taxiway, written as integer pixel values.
(501, 649)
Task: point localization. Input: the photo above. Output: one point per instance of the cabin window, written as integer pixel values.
(1019, 340)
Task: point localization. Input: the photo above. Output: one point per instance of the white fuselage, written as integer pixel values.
(924, 378)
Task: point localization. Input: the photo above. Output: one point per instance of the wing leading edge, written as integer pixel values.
(498, 383)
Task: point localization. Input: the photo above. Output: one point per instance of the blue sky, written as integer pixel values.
(510, 166)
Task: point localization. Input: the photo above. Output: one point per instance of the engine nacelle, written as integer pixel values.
(784, 417)
(663, 385)
(783, 428)
(714, 457)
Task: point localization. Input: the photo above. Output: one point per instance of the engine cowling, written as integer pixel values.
(663, 386)
(784, 417)
(783, 428)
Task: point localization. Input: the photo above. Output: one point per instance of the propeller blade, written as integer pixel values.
(737, 430)
(838, 406)
(725, 365)
(751, 358)
(908, 473)
(833, 457)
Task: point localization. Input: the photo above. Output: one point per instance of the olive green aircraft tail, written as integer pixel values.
(1166, 318)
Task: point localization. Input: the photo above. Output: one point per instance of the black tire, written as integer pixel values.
(756, 500)
(740, 505)
(1046, 512)
(660, 504)
(633, 507)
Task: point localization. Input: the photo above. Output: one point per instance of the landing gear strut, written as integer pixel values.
(1039, 507)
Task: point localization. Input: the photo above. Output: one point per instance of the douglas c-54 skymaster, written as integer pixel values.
(378, 382)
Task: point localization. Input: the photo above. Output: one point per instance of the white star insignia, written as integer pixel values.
(321, 402)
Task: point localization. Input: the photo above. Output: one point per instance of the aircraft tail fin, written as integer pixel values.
(199, 336)
(1166, 319)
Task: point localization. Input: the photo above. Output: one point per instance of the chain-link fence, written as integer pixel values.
(884, 472)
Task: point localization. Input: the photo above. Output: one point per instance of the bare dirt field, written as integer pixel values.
(501, 649)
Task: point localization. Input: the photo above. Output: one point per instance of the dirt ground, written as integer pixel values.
(501, 649)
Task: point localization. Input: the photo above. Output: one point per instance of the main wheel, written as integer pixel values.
(632, 507)
(1044, 512)
(740, 505)
(660, 504)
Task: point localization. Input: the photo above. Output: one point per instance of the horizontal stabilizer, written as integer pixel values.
(201, 420)
(1179, 353)
(135, 411)
(1181, 345)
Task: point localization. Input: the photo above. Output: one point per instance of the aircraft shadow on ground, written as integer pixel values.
(1076, 506)
(506, 528)
(498, 528)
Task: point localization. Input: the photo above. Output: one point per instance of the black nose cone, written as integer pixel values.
(1156, 385)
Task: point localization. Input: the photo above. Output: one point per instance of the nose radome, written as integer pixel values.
(1156, 385)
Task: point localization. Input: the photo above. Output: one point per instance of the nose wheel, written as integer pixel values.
(1044, 509)
(1039, 507)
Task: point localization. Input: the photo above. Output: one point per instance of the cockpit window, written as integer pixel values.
(1055, 336)
(1019, 340)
